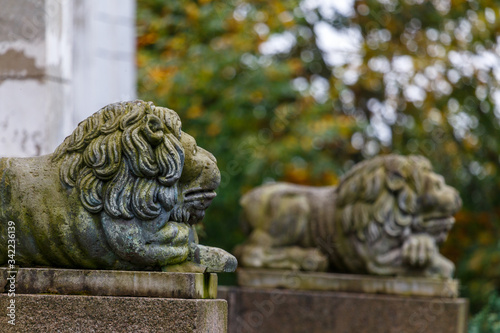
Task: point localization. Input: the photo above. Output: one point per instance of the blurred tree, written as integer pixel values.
(256, 113)
(428, 80)
(301, 90)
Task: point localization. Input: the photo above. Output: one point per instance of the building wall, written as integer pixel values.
(60, 61)
(104, 54)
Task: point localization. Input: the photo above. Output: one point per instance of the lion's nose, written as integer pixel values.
(209, 154)
(200, 170)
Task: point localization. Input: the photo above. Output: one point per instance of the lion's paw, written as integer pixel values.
(441, 267)
(314, 261)
(419, 250)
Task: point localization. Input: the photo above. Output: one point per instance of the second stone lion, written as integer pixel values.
(387, 216)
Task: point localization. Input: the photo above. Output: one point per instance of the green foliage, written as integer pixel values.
(203, 60)
(422, 79)
(488, 320)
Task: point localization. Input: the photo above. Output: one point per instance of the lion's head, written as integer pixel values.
(396, 195)
(391, 214)
(132, 160)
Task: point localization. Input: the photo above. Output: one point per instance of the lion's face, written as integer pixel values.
(199, 179)
(438, 203)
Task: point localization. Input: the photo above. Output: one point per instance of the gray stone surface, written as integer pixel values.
(408, 286)
(112, 283)
(59, 313)
(275, 310)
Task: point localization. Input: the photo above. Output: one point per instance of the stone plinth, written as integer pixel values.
(407, 286)
(62, 313)
(326, 302)
(112, 283)
(279, 310)
(71, 300)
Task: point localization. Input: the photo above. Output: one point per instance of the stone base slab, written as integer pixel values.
(278, 310)
(110, 283)
(60, 313)
(407, 286)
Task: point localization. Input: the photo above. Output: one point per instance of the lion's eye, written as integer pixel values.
(155, 126)
(195, 150)
(438, 185)
(154, 123)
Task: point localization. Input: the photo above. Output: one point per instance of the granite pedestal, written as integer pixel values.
(357, 304)
(60, 300)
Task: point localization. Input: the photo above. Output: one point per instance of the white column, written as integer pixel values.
(35, 74)
(104, 55)
(60, 61)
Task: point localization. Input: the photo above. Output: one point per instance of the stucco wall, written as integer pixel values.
(60, 61)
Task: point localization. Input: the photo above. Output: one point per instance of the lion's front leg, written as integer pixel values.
(134, 243)
(215, 260)
(419, 250)
(421, 253)
(417, 256)
(201, 258)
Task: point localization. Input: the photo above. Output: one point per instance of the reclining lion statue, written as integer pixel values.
(387, 216)
(123, 191)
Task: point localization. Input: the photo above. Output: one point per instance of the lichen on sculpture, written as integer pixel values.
(123, 191)
(387, 216)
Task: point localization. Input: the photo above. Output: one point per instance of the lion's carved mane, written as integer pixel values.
(125, 159)
(381, 193)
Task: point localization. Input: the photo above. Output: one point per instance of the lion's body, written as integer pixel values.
(291, 214)
(46, 231)
(386, 217)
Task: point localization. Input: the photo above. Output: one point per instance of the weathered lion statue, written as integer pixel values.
(386, 217)
(123, 191)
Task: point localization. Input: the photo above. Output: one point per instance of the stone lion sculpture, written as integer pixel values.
(123, 191)
(387, 216)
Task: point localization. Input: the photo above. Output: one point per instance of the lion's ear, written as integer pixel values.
(394, 180)
(153, 129)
